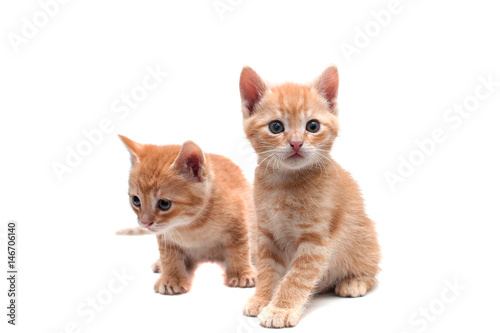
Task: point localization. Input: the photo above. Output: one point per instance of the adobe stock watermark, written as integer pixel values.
(420, 320)
(222, 7)
(453, 118)
(32, 25)
(363, 36)
(245, 152)
(121, 107)
(12, 272)
(247, 325)
(90, 308)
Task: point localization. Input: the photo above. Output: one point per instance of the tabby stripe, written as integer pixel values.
(266, 233)
(267, 253)
(312, 237)
(299, 285)
(308, 260)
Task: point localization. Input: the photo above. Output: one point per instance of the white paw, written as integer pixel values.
(171, 286)
(274, 317)
(351, 288)
(253, 306)
(242, 280)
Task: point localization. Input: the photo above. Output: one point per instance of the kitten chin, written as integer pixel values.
(313, 232)
(293, 161)
(199, 206)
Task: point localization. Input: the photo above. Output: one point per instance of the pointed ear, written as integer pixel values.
(327, 85)
(252, 89)
(191, 161)
(133, 148)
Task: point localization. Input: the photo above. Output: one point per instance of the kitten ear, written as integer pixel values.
(133, 148)
(327, 85)
(252, 89)
(191, 161)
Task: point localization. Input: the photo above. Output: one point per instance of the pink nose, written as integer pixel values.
(146, 224)
(296, 145)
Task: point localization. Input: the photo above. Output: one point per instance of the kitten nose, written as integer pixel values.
(146, 224)
(296, 145)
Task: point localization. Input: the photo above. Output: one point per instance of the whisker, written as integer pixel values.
(329, 160)
(263, 152)
(274, 165)
(317, 161)
(264, 160)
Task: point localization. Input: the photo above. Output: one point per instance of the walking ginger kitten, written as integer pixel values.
(199, 206)
(313, 232)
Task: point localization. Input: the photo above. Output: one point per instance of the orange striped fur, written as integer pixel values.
(209, 219)
(313, 232)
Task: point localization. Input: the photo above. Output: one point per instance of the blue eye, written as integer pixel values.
(164, 204)
(312, 126)
(276, 127)
(136, 201)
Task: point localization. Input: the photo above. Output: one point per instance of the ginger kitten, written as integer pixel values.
(199, 206)
(313, 232)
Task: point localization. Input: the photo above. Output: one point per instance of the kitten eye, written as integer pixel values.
(164, 204)
(276, 127)
(312, 126)
(136, 201)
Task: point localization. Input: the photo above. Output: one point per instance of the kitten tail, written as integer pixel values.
(133, 232)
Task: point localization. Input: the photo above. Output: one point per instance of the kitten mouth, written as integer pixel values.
(297, 160)
(150, 228)
(295, 155)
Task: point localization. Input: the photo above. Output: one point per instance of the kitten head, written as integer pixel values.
(168, 185)
(290, 126)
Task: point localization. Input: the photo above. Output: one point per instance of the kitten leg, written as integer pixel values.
(239, 271)
(174, 278)
(354, 287)
(297, 285)
(270, 268)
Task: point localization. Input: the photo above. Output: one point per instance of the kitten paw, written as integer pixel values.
(156, 266)
(351, 288)
(274, 317)
(166, 285)
(242, 280)
(253, 306)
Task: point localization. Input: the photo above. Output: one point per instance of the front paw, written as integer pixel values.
(253, 306)
(274, 317)
(167, 285)
(245, 279)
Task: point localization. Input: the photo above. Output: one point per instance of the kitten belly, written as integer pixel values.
(289, 223)
(201, 245)
(205, 254)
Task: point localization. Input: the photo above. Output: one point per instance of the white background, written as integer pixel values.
(440, 225)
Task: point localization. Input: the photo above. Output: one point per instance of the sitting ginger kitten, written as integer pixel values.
(199, 206)
(313, 232)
